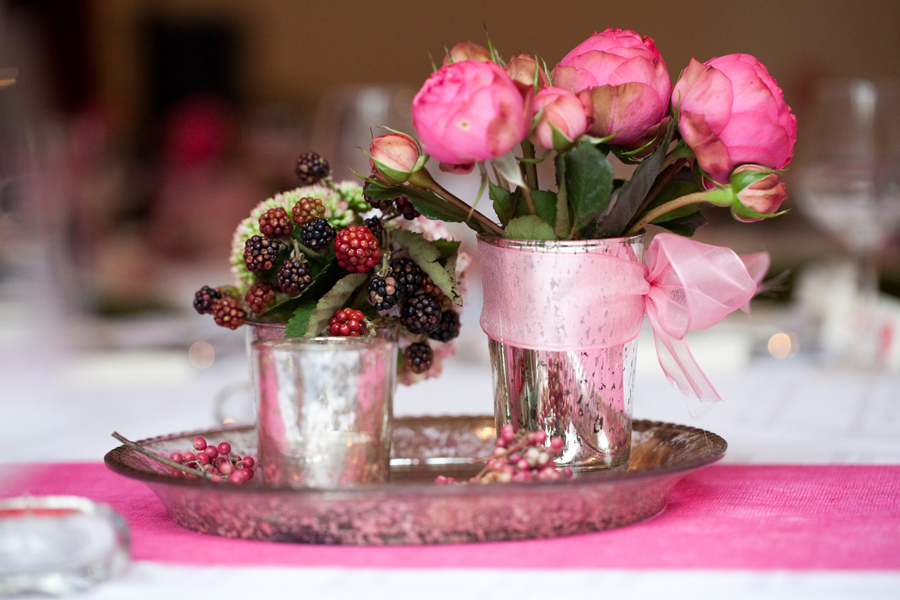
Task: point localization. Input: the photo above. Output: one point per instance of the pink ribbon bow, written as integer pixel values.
(568, 297)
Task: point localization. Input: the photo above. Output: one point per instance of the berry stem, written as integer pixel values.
(160, 459)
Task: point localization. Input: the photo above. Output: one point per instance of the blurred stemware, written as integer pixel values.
(849, 185)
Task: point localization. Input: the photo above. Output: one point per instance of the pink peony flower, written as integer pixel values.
(731, 112)
(395, 156)
(628, 81)
(562, 110)
(521, 68)
(470, 111)
(467, 51)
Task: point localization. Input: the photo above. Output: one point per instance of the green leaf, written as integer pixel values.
(447, 248)
(685, 225)
(427, 256)
(563, 224)
(588, 183)
(436, 208)
(502, 203)
(545, 202)
(333, 300)
(529, 227)
(632, 194)
(296, 325)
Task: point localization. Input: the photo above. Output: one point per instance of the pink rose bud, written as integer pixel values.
(468, 112)
(521, 69)
(563, 117)
(467, 51)
(732, 112)
(395, 157)
(758, 193)
(627, 79)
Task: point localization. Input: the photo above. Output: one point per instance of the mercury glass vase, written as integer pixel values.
(583, 392)
(325, 409)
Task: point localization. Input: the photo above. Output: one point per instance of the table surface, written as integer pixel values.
(60, 406)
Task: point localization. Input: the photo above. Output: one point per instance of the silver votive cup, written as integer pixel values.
(325, 409)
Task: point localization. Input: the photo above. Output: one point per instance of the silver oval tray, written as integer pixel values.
(411, 508)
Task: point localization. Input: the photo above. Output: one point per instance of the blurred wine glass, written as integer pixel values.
(349, 115)
(849, 184)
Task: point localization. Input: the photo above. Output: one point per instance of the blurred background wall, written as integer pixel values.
(164, 121)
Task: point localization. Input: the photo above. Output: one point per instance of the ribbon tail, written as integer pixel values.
(679, 365)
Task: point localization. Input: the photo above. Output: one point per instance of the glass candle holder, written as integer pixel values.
(325, 409)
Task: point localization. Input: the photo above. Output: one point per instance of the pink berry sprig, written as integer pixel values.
(215, 462)
(519, 458)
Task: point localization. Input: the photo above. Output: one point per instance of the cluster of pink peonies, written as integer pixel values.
(614, 87)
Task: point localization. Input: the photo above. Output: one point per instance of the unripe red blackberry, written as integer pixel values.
(420, 314)
(448, 328)
(228, 313)
(307, 209)
(375, 226)
(317, 234)
(312, 168)
(293, 277)
(260, 296)
(383, 292)
(356, 249)
(408, 275)
(347, 322)
(260, 254)
(418, 357)
(406, 208)
(205, 298)
(275, 222)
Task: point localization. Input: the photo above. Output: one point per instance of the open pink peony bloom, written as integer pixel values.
(731, 112)
(628, 80)
(467, 51)
(562, 110)
(394, 156)
(470, 111)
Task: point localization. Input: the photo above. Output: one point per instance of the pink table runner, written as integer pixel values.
(723, 517)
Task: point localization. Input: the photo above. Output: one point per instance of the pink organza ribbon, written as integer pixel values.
(569, 300)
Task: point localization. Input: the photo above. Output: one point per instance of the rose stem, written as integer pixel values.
(662, 209)
(661, 181)
(158, 458)
(424, 179)
(531, 176)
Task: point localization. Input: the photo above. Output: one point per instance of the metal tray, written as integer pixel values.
(411, 508)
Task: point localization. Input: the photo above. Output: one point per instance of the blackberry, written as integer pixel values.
(375, 226)
(205, 298)
(317, 234)
(406, 208)
(356, 249)
(312, 168)
(293, 276)
(383, 292)
(421, 314)
(448, 328)
(408, 275)
(228, 313)
(275, 222)
(418, 357)
(307, 209)
(347, 322)
(260, 296)
(260, 253)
